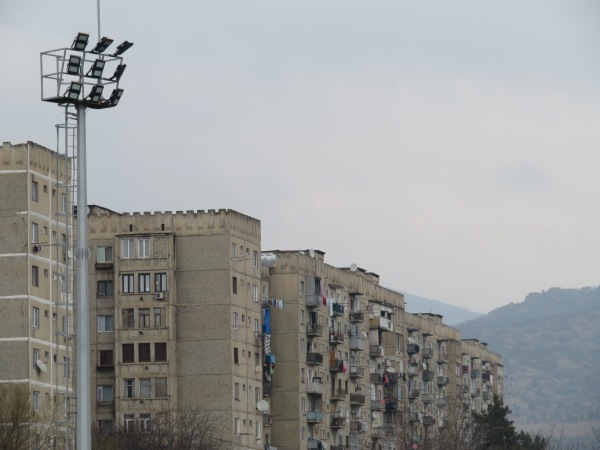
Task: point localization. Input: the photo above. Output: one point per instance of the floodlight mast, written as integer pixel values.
(71, 71)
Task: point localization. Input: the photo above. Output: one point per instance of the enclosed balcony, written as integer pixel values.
(382, 323)
(357, 399)
(314, 329)
(390, 379)
(427, 352)
(267, 420)
(377, 405)
(357, 343)
(412, 348)
(337, 421)
(314, 416)
(427, 397)
(486, 396)
(313, 300)
(315, 359)
(441, 402)
(336, 365)
(414, 394)
(486, 376)
(476, 373)
(413, 370)
(442, 380)
(336, 337)
(376, 378)
(376, 350)
(315, 387)
(391, 403)
(476, 392)
(357, 316)
(442, 357)
(356, 371)
(356, 426)
(338, 310)
(338, 394)
(429, 375)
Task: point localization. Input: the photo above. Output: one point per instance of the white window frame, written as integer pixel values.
(255, 293)
(105, 393)
(35, 317)
(35, 232)
(127, 385)
(254, 258)
(105, 323)
(235, 321)
(258, 430)
(127, 248)
(36, 400)
(144, 248)
(101, 254)
(237, 425)
(129, 422)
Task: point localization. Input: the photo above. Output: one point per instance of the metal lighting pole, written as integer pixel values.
(81, 73)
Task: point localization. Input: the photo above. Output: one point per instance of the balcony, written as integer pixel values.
(337, 421)
(476, 392)
(336, 365)
(441, 402)
(313, 300)
(105, 266)
(267, 420)
(356, 426)
(413, 370)
(390, 379)
(314, 359)
(377, 405)
(314, 329)
(356, 371)
(486, 396)
(442, 380)
(428, 420)
(414, 394)
(375, 350)
(391, 403)
(429, 375)
(338, 394)
(270, 447)
(486, 376)
(466, 388)
(357, 316)
(382, 323)
(336, 337)
(314, 444)
(377, 433)
(357, 343)
(412, 348)
(376, 378)
(315, 387)
(357, 399)
(314, 416)
(476, 373)
(338, 310)
(427, 397)
(427, 352)
(442, 357)
(465, 370)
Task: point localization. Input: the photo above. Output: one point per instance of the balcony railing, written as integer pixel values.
(413, 370)
(476, 392)
(376, 378)
(485, 376)
(315, 387)
(314, 416)
(357, 371)
(427, 352)
(427, 397)
(313, 300)
(442, 380)
(442, 401)
(314, 358)
(314, 329)
(381, 322)
(336, 365)
(338, 310)
(267, 420)
(375, 350)
(356, 426)
(339, 394)
(428, 375)
(357, 399)
(337, 421)
(391, 403)
(357, 316)
(415, 393)
(377, 405)
(412, 348)
(357, 343)
(390, 379)
(336, 337)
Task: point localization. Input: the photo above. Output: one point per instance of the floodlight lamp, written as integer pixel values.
(80, 42)
(115, 97)
(118, 72)
(122, 48)
(102, 45)
(95, 94)
(73, 65)
(74, 91)
(96, 69)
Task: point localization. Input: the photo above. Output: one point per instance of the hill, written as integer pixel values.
(452, 314)
(550, 344)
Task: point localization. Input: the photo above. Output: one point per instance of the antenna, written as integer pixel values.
(375, 415)
(353, 267)
(262, 406)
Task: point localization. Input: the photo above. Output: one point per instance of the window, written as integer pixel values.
(234, 285)
(160, 387)
(35, 317)
(255, 258)
(236, 358)
(236, 391)
(65, 366)
(63, 203)
(36, 357)
(235, 321)
(160, 352)
(255, 293)
(303, 436)
(237, 425)
(144, 422)
(63, 238)
(104, 254)
(144, 352)
(105, 426)
(35, 281)
(144, 282)
(34, 191)
(128, 353)
(105, 323)
(144, 248)
(301, 317)
(302, 374)
(301, 288)
(128, 318)
(105, 358)
(105, 288)
(233, 249)
(129, 422)
(104, 393)
(255, 326)
(257, 394)
(145, 388)
(128, 283)
(144, 317)
(302, 404)
(302, 345)
(34, 232)
(160, 282)
(258, 429)
(127, 248)
(128, 388)
(36, 400)
(158, 315)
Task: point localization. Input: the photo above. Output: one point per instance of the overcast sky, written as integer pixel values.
(450, 146)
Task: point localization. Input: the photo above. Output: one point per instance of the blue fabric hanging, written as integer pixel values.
(267, 321)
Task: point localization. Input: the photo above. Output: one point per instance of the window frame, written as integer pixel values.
(127, 248)
(102, 323)
(143, 248)
(129, 388)
(145, 388)
(101, 254)
(128, 318)
(144, 352)
(101, 391)
(35, 193)
(35, 276)
(35, 232)
(35, 317)
(163, 348)
(107, 289)
(128, 353)
(144, 286)
(144, 318)
(127, 287)
(160, 282)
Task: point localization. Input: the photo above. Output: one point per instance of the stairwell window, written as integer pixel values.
(127, 248)
(144, 248)
(35, 317)
(144, 282)
(35, 274)
(34, 191)
(36, 357)
(105, 288)
(236, 357)
(236, 391)
(128, 287)
(105, 323)
(128, 388)
(36, 400)
(255, 258)
(104, 255)
(128, 353)
(160, 352)
(104, 393)
(234, 285)
(34, 232)
(235, 321)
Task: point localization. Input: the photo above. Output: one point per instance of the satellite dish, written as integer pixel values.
(262, 406)
(268, 259)
(375, 415)
(390, 370)
(353, 267)
(311, 252)
(42, 366)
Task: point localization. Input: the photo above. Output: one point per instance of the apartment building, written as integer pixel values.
(35, 295)
(482, 374)
(177, 313)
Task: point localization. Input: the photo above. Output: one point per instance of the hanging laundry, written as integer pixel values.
(266, 327)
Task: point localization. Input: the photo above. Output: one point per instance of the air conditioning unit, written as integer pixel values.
(160, 295)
